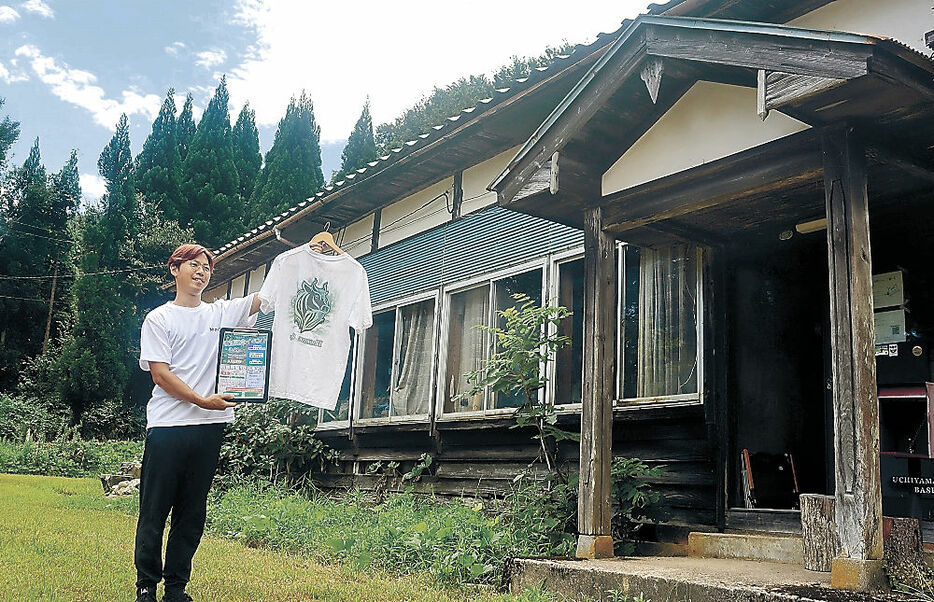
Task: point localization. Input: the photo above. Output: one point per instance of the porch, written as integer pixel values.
(849, 138)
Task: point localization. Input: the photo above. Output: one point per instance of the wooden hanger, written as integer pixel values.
(323, 241)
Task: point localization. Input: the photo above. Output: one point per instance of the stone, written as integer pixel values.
(109, 480)
(134, 469)
(594, 546)
(857, 575)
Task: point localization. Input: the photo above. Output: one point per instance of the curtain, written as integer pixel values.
(467, 345)
(667, 339)
(412, 392)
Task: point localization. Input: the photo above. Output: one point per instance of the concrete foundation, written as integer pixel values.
(681, 579)
(594, 546)
(857, 575)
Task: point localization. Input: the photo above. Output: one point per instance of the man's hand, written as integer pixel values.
(218, 401)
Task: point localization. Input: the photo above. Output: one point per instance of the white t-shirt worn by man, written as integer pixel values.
(186, 338)
(317, 299)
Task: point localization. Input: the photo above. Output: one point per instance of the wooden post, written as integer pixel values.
(858, 493)
(820, 541)
(48, 322)
(595, 509)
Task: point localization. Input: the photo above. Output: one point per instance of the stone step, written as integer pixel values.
(747, 546)
(678, 579)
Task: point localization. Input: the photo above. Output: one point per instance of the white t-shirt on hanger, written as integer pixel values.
(186, 338)
(317, 299)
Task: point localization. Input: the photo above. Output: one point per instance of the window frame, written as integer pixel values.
(542, 263)
(396, 306)
(556, 260)
(343, 424)
(684, 399)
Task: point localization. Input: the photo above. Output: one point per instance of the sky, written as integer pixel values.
(68, 69)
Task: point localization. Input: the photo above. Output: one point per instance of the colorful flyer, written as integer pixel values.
(243, 363)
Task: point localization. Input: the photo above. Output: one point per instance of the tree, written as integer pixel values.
(519, 67)
(185, 127)
(247, 157)
(211, 185)
(159, 164)
(94, 359)
(9, 134)
(33, 241)
(292, 172)
(361, 146)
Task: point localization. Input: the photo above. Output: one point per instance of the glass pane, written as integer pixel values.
(659, 321)
(412, 391)
(529, 283)
(342, 411)
(467, 347)
(377, 367)
(569, 372)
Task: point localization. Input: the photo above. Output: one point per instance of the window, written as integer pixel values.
(658, 326)
(569, 363)
(468, 347)
(398, 354)
(341, 413)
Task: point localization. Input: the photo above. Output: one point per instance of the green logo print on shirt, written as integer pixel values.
(311, 305)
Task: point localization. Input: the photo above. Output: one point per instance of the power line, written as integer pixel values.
(60, 240)
(22, 223)
(50, 276)
(24, 299)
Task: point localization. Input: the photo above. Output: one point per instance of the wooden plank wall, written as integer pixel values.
(482, 459)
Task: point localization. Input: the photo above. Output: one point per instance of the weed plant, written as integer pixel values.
(67, 456)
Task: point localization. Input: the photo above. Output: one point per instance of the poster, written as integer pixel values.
(243, 363)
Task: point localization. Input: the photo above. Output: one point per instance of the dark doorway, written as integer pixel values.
(777, 307)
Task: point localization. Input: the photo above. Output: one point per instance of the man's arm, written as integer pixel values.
(254, 308)
(176, 387)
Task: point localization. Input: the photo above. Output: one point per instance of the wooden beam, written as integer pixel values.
(907, 163)
(754, 50)
(785, 162)
(595, 508)
(374, 236)
(856, 415)
(458, 195)
(617, 69)
(779, 89)
(652, 76)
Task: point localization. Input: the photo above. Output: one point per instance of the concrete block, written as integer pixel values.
(594, 546)
(857, 575)
(771, 548)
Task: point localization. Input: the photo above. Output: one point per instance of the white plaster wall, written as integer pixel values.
(357, 236)
(218, 292)
(709, 122)
(478, 177)
(407, 217)
(256, 279)
(236, 289)
(904, 20)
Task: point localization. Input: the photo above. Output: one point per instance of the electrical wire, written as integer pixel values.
(60, 276)
(24, 299)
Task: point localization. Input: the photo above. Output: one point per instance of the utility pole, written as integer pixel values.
(48, 322)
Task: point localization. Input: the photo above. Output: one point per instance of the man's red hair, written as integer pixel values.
(187, 252)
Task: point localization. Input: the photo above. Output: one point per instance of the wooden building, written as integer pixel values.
(748, 165)
(700, 187)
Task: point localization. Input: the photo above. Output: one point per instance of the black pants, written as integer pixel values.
(178, 467)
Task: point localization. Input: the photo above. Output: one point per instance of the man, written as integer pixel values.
(184, 421)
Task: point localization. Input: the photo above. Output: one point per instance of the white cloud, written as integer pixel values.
(76, 86)
(425, 50)
(11, 77)
(210, 58)
(39, 7)
(175, 48)
(93, 186)
(8, 14)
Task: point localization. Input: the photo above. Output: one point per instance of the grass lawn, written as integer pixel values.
(60, 539)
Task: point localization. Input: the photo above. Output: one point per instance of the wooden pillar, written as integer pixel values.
(595, 509)
(858, 510)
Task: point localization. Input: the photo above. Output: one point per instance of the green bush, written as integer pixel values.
(67, 457)
(22, 418)
(456, 540)
(272, 442)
